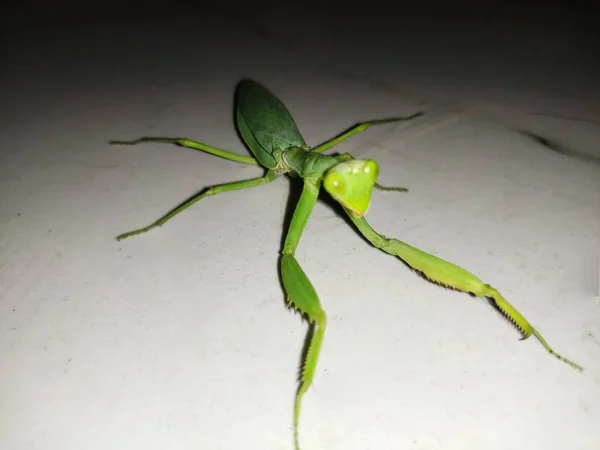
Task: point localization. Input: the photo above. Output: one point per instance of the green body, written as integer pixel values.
(271, 134)
(265, 124)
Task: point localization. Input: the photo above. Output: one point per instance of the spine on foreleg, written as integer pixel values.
(451, 276)
(508, 310)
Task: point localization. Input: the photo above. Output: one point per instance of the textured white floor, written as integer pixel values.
(179, 339)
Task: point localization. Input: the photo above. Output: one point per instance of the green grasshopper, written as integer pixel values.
(269, 130)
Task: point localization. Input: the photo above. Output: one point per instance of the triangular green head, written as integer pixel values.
(350, 183)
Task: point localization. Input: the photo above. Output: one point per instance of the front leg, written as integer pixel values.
(302, 296)
(451, 276)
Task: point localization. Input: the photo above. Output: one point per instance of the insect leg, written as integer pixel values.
(358, 128)
(214, 190)
(302, 296)
(451, 276)
(184, 142)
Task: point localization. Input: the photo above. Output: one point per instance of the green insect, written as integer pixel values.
(270, 132)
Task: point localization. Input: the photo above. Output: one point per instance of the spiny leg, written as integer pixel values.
(358, 128)
(301, 295)
(451, 276)
(184, 142)
(303, 298)
(214, 190)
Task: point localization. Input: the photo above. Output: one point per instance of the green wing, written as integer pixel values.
(265, 124)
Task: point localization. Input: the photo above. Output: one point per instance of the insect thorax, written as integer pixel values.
(305, 163)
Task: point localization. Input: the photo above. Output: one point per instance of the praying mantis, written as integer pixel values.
(271, 134)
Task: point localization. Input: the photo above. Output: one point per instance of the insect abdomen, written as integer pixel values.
(265, 124)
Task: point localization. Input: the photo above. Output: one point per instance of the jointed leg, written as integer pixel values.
(214, 190)
(184, 142)
(358, 129)
(302, 296)
(452, 276)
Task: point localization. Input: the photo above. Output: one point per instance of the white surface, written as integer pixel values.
(179, 339)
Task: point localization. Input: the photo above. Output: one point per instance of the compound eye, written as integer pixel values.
(335, 182)
(372, 168)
